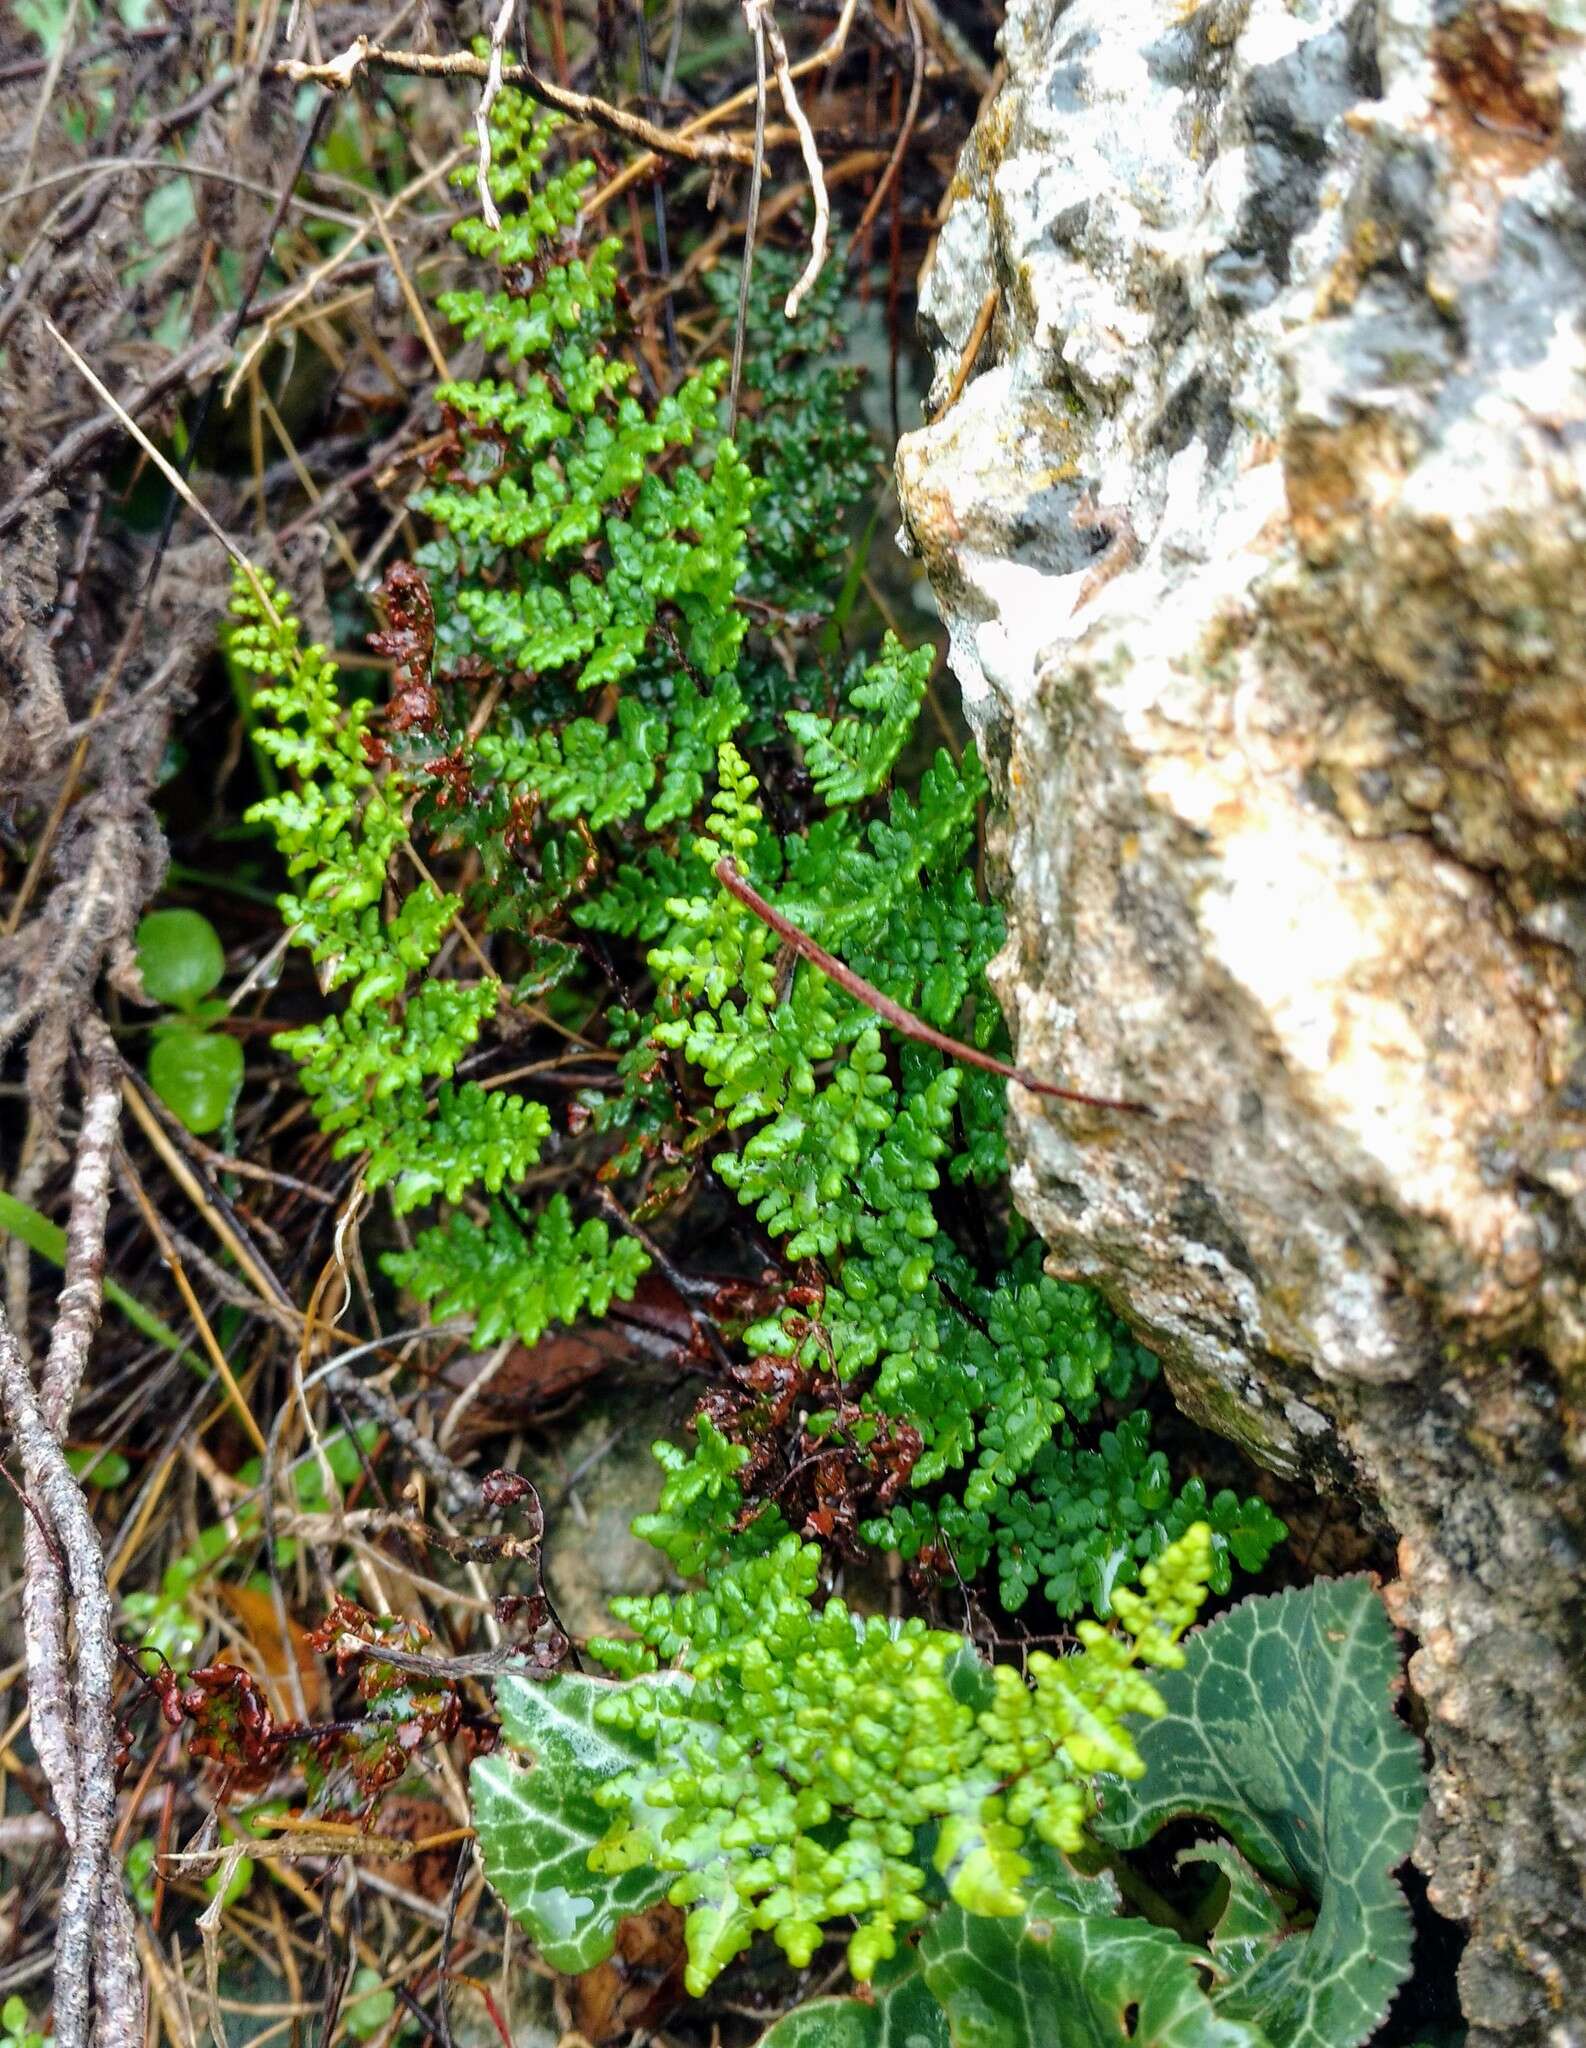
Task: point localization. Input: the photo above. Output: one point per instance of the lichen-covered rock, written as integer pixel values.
(1260, 529)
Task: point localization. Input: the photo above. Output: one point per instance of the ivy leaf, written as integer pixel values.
(538, 1821)
(902, 2015)
(1064, 1979)
(1254, 1916)
(1280, 1729)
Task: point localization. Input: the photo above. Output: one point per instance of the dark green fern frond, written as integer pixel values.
(798, 432)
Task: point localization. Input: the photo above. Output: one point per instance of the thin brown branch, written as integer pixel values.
(685, 1289)
(514, 1657)
(901, 1020)
(338, 74)
(977, 335)
(900, 148)
(460, 1492)
(644, 166)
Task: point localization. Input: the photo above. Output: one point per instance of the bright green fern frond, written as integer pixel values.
(472, 1138)
(798, 431)
(842, 885)
(850, 758)
(365, 1068)
(696, 1521)
(575, 294)
(516, 1283)
(799, 1173)
(1082, 1522)
(521, 133)
(796, 1770)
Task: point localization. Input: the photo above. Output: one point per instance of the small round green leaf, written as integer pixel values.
(369, 2006)
(180, 956)
(197, 1075)
(97, 1465)
(140, 1878)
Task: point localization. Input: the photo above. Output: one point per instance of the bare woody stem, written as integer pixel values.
(781, 65)
(339, 72)
(901, 1020)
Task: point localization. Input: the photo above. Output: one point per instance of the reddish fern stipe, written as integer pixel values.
(894, 1013)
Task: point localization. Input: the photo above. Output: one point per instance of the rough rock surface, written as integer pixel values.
(1291, 742)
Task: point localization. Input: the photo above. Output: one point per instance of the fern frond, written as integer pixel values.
(794, 1773)
(516, 1282)
(849, 758)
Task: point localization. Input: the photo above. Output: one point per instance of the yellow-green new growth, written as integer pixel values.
(793, 1775)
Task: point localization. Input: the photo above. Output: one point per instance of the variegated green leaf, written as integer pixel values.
(1280, 1729)
(537, 1819)
(902, 2014)
(1061, 1979)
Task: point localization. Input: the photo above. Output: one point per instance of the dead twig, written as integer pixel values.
(955, 46)
(98, 1991)
(172, 475)
(1123, 544)
(487, 100)
(687, 1290)
(977, 335)
(663, 257)
(458, 1490)
(339, 72)
(762, 14)
(900, 148)
(754, 16)
(644, 166)
(57, 60)
(192, 363)
(237, 321)
(517, 1657)
(901, 1020)
(70, 224)
(206, 1201)
(171, 1260)
(77, 1315)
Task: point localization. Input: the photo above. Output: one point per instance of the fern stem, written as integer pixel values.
(901, 1020)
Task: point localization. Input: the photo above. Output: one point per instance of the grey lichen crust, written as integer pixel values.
(1289, 727)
